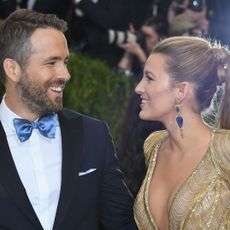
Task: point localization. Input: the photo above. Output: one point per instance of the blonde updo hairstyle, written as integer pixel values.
(202, 63)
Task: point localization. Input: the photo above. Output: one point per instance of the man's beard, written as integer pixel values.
(35, 98)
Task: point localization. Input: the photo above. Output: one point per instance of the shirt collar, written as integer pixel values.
(7, 116)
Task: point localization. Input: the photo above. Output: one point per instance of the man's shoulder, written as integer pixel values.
(91, 127)
(71, 114)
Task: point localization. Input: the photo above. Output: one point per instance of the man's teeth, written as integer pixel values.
(56, 89)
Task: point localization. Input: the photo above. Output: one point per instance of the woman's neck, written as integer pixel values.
(195, 133)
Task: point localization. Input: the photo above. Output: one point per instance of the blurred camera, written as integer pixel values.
(120, 37)
(196, 5)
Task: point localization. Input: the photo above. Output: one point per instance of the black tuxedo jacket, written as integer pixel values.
(84, 200)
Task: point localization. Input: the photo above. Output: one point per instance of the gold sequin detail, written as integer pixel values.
(203, 201)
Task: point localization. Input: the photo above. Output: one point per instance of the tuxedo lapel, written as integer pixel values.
(72, 139)
(10, 180)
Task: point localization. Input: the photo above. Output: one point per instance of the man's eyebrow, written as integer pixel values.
(55, 58)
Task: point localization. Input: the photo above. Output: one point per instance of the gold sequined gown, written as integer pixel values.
(203, 201)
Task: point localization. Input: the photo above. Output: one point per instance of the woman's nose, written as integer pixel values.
(139, 88)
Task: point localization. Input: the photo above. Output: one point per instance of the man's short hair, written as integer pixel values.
(15, 33)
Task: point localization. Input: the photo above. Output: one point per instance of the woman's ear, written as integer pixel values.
(183, 90)
(12, 69)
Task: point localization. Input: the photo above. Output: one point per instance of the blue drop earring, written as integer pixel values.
(179, 118)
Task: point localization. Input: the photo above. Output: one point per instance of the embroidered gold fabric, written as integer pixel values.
(203, 201)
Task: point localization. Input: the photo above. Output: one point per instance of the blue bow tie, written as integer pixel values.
(46, 126)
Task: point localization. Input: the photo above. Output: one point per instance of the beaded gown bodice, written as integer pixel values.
(203, 200)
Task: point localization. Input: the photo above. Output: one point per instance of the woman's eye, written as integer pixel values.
(149, 78)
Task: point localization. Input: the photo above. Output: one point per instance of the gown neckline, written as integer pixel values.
(150, 172)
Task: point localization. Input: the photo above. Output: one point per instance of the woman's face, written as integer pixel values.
(151, 37)
(156, 90)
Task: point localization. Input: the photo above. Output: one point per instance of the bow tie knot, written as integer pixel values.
(46, 126)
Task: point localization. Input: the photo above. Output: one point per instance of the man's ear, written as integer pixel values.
(12, 69)
(183, 90)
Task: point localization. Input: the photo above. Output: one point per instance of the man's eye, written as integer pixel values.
(51, 63)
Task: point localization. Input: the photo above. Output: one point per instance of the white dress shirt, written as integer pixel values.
(38, 162)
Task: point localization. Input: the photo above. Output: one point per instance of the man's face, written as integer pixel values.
(41, 84)
(152, 38)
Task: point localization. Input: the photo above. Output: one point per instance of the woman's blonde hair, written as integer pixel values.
(203, 63)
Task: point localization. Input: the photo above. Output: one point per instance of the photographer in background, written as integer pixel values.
(136, 51)
(184, 25)
(99, 26)
(91, 22)
(196, 9)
